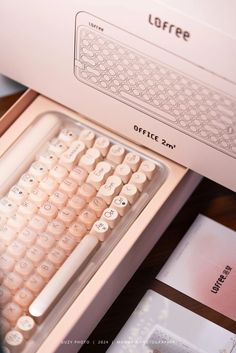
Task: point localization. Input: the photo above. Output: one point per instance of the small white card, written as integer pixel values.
(159, 325)
(203, 266)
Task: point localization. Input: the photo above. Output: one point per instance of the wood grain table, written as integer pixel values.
(209, 199)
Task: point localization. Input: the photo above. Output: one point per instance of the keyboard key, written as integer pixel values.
(110, 216)
(14, 340)
(102, 143)
(12, 281)
(88, 137)
(101, 230)
(78, 174)
(67, 136)
(130, 192)
(124, 172)
(23, 297)
(35, 283)
(139, 179)
(87, 191)
(98, 205)
(59, 199)
(48, 211)
(17, 194)
(121, 204)
(12, 312)
(26, 326)
(148, 168)
(78, 230)
(133, 160)
(28, 182)
(116, 154)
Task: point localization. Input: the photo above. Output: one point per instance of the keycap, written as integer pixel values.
(7, 206)
(78, 174)
(17, 194)
(123, 171)
(102, 143)
(23, 297)
(67, 136)
(87, 136)
(148, 168)
(87, 191)
(12, 281)
(116, 154)
(26, 326)
(49, 159)
(12, 312)
(71, 156)
(58, 172)
(110, 216)
(28, 182)
(101, 230)
(58, 198)
(14, 340)
(133, 160)
(129, 191)
(139, 179)
(121, 204)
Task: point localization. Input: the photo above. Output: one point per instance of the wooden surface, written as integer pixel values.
(211, 200)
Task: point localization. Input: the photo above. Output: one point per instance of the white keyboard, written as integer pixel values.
(148, 85)
(68, 195)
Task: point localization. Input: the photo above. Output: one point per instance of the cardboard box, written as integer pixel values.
(157, 66)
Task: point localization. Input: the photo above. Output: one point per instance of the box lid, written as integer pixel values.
(162, 76)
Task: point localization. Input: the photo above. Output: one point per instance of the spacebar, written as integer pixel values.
(62, 277)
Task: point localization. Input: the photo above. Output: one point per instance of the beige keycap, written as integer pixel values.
(38, 223)
(7, 263)
(115, 182)
(35, 254)
(12, 281)
(78, 230)
(67, 136)
(46, 269)
(95, 154)
(121, 204)
(48, 158)
(67, 215)
(58, 172)
(38, 197)
(7, 234)
(45, 241)
(48, 211)
(98, 205)
(148, 168)
(87, 162)
(57, 256)
(27, 209)
(5, 295)
(38, 170)
(139, 179)
(87, 191)
(17, 194)
(67, 243)
(133, 160)
(14, 340)
(35, 283)
(88, 217)
(101, 230)
(130, 191)
(124, 172)
(17, 222)
(102, 143)
(68, 186)
(5, 327)
(88, 137)
(48, 184)
(70, 157)
(59, 199)
(56, 146)
(26, 325)
(78, 174)
(27, 236)
(24, 267)
(106, 194)
(116, 154)
(12, 312)
(56, 228)
(23, 297)
(17, 249)
(28, 182)
(110, 216)
(7, 206)
(77, 202)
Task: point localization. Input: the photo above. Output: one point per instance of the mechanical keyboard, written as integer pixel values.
(68, 195)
